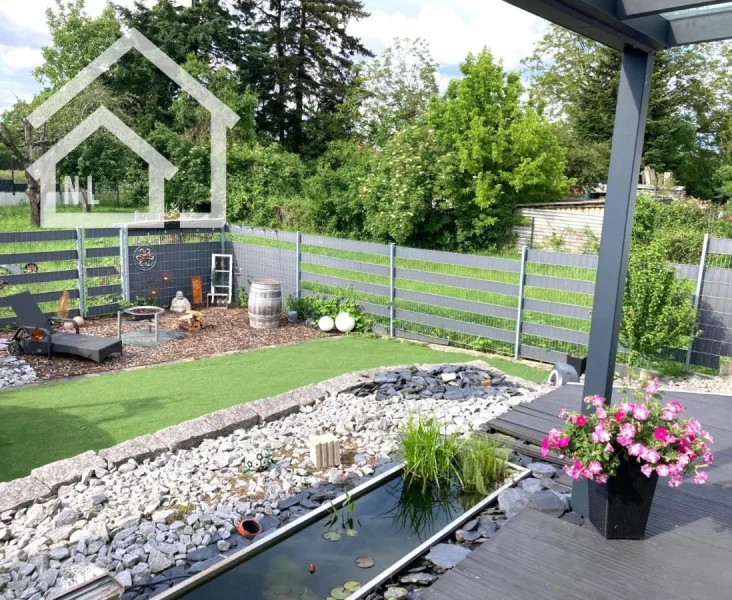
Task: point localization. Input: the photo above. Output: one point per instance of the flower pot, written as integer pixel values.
(620, 508)
(249, 528)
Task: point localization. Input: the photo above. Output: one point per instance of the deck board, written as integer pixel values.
(686, 553)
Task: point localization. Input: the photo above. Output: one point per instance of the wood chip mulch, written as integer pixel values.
(225, 330)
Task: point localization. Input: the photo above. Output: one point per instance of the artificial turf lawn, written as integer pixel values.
(42, 424)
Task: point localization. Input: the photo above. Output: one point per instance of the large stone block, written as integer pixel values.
(69, 470)
(280, 406)
(187, 434)
(139, 449)
(229, 420)
(21, 492)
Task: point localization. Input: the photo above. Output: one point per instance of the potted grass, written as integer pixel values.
(623, 451)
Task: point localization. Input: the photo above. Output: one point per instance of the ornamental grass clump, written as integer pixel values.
(645, 432)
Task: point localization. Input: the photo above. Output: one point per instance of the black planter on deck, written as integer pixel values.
(620, 508)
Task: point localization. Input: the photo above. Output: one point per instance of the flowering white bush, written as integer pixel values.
(645, 431)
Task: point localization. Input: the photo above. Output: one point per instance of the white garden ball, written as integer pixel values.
(326, 324)
(345, 322)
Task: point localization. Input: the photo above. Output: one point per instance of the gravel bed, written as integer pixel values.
(698, 383)
(155, 523)
(225, 330)
(15, 372)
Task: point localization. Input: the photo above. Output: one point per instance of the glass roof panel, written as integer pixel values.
(703, 10)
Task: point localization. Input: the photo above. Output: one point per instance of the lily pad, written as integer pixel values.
(351, 532)
(332, 536)
(352, 586)
(340, 593)
(364, 562)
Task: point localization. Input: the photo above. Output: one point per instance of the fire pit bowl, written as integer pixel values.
(142, 313)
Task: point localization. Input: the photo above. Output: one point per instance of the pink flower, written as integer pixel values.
(600, 412)
(609, 448)
(563, 441)
(675, 481)
(640, 412)
(601, 478)
(574, 471)
(597, 401)
(545, 447)
(668, 414)
(708, 436)
(700, 477)
(652, 386)
(682, 461)
(581, 421)
(627, 407)
(661, 434)
(562, 412)
(675, 406)
(595, 467)
(647, 470)
(662, 470)
(693, 428)
(708, 458)
(619, 416)
(650, 455)
(600, 435)
(627, 430)
(636, 449)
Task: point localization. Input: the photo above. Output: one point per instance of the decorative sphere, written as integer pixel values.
(326, 323)
(79, 321)
(345, 322)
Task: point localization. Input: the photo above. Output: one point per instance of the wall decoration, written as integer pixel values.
(144, 258)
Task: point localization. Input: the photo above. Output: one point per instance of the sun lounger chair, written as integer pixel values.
(36, 336)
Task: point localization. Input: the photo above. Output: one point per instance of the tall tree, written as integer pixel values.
(495, 151)
(577, 79)
(312, 66)
(398, 86)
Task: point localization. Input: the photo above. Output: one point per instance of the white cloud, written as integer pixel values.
(455, 28)
(19, 58)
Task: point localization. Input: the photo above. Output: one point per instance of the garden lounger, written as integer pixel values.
(36, 336)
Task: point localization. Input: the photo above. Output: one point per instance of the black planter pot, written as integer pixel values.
(620, 508)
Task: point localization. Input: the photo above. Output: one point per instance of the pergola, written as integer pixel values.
(638, 28)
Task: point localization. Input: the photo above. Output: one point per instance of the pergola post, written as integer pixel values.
(622, 186)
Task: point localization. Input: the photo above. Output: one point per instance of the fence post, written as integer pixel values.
(697, 294)
(81, 269)
(298, 259)
(520, 306)
(392, 287)
(124, 264)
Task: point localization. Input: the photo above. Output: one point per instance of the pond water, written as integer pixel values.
(383, 525)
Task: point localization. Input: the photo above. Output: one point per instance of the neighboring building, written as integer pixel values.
(573, 226)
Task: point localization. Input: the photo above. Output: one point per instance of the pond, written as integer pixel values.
(322, 561)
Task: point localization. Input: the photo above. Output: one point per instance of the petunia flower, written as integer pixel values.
(675, 480)
(581, 421)
(601, 413)
(609, 448)
(708, 458)
(661, 434)
(653, 386)
(636, 449)
(662, 470)
(545, 447)
(650, 455)
(641, 412)
(701, 477)
(647, 470)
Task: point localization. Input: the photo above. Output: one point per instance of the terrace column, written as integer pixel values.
(622, 186)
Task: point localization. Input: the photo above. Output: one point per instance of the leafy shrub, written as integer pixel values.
(316, 306)
(242, 297)
(657, 309)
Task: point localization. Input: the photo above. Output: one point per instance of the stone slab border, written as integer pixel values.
(45, 481)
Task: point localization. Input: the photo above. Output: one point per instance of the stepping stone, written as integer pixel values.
(511, 501)
(548, 502)
(446, 556)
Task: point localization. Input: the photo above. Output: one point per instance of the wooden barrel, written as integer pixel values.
(265, 304)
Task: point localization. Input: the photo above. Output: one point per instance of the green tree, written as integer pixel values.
(398, 87)
(312, 66)
(657, 309)
(577, 79)
(494, 152)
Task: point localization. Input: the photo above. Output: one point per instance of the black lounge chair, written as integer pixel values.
(36, 336)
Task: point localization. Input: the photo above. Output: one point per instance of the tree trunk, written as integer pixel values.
(300, 83)
(34, 199)
(85, 206)
(279, 32)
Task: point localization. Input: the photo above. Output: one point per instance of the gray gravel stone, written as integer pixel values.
(511, 501)
(158, 562)
(446, 556)
(540, 469)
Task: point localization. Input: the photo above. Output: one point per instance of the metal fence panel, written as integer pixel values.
(262, 262)
(468, 283)
(464, 260)
(347, 245)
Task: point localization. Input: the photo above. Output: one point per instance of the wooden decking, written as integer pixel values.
(687, 552)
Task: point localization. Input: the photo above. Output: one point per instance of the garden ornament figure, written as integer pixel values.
(257, 460)
(180, 303)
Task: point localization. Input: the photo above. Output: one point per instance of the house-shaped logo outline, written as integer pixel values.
(222, 119)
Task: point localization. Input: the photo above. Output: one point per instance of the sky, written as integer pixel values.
(452, 27)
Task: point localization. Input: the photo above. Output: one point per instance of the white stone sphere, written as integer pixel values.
(345, 322)
(326, 323)
(79, 321)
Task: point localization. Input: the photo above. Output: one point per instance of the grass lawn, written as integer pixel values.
(46, 423)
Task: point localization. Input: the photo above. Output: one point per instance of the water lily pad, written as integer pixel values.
(352, 586)
(351, 532)
(332, 536)
(340, 593)
(364, 562)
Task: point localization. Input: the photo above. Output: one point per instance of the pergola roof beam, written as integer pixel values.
(702, 28)
(628, 9)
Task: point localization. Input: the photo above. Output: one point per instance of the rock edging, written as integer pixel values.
(46, 480)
